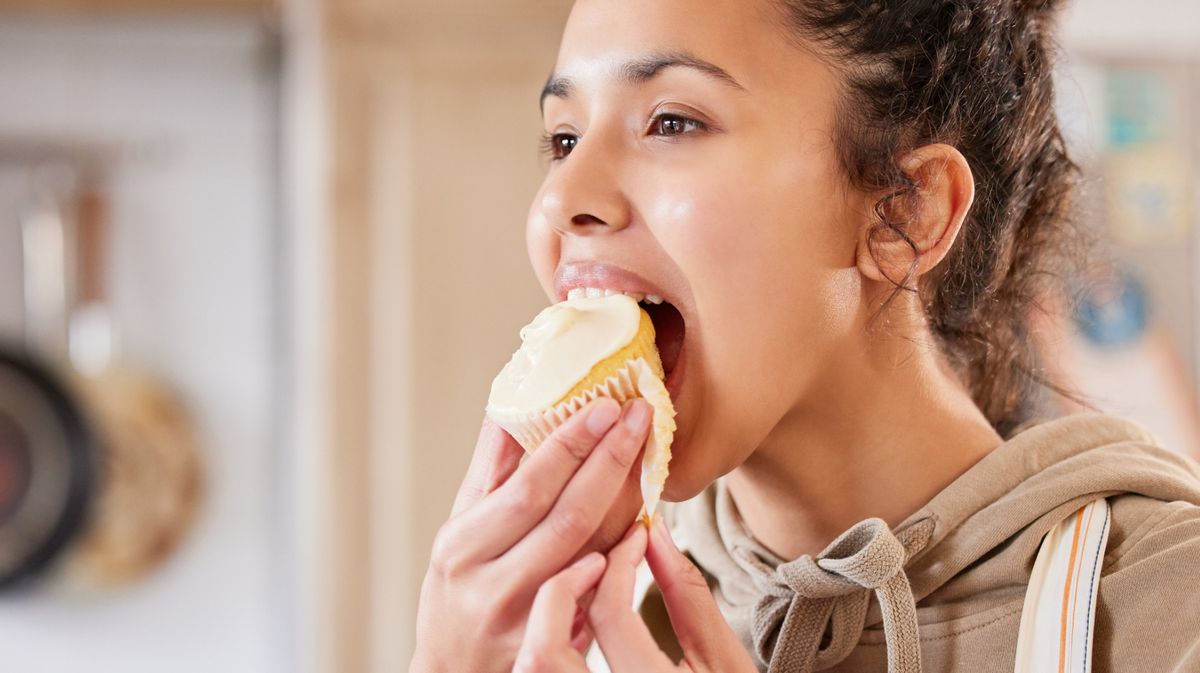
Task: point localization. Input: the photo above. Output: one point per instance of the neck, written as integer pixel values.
(877, 442)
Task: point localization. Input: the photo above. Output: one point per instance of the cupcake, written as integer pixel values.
(575, 352)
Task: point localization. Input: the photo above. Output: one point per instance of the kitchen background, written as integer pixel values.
(236, 233)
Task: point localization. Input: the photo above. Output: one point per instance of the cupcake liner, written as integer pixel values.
(634, 379)
(656, 461)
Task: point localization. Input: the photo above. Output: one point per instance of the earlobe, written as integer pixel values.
(926, 220)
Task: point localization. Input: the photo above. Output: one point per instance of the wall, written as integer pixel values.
(190, 106)
(1147, 27)
(433, 128)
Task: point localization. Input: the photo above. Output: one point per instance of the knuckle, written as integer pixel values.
(524, 499)
(570, 443)
(618, 452)
(571, 523)
(445, 559)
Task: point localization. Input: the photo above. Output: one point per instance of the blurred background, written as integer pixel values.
(260, 259)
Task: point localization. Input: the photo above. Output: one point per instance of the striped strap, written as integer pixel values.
(1060, 605)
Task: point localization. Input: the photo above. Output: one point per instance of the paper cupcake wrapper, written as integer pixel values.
(635, 379)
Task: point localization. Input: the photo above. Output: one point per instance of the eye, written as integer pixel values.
(668, 124)
(557, 146)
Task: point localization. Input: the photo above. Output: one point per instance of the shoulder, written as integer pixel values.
(1148, 613)
(1143, 529)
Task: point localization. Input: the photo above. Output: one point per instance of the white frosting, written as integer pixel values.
(560, 347)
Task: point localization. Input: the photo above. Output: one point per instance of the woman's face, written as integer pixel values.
(692, 147)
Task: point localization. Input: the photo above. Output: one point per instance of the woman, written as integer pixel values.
(852, 208)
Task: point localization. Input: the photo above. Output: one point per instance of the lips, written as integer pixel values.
(661, 305)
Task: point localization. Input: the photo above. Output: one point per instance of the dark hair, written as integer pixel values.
(975, 74)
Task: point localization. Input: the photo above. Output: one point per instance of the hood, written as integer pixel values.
(1029, 484)
(976, 538)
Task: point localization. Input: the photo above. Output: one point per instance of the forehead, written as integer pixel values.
(743, 37)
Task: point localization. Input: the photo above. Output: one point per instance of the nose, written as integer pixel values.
(582, 194)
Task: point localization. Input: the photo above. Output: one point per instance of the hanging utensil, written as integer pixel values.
(48, 451)
(151, 480)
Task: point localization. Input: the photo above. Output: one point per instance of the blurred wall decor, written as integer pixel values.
(114, 494)
(140, 272)
(1133, 348)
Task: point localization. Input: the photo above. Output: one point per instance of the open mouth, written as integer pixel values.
(669, 331)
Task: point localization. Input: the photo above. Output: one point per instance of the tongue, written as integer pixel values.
(668, 333)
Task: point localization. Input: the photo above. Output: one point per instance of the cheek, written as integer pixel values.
(758, 246)
(769, 252)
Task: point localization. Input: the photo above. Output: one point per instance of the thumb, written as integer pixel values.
(707, 641)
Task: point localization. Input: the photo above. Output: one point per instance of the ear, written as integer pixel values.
(930, 217)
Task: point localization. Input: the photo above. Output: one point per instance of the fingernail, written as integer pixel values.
(637, 415)
(601, 416)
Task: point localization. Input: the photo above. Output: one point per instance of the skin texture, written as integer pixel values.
(793, 384)
(820, 409)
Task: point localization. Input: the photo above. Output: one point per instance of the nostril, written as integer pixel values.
(584, 219)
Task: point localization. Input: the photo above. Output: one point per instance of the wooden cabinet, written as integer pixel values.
(433, 125)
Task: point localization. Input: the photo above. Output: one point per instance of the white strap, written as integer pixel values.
(1059, 616)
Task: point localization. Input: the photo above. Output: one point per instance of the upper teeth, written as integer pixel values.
(593, 292)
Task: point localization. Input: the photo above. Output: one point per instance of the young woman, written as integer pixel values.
(852, 208)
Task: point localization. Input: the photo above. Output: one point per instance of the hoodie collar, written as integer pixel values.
(808, 614)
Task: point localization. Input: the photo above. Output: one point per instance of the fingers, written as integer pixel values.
(586, 500)
(489, 529)
(581, 633)
(581, 640)
(621, 633)
(496, 456)
(548, 645)
(703, 634)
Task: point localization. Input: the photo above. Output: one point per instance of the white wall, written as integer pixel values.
(193, 105)
(1142, 27)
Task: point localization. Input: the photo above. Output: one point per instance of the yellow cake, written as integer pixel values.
(575, 352)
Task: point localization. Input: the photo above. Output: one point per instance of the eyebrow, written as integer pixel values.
(642, 70)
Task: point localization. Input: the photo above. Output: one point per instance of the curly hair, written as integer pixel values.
(975, 74)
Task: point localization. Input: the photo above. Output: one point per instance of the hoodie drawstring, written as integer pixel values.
(805, 599)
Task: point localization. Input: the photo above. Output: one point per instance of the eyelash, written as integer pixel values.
(551, 143)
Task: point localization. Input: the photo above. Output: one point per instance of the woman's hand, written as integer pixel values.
(511, 530)
(552, 644)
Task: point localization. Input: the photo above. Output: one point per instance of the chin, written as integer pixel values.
(688, 477)
(680, 488)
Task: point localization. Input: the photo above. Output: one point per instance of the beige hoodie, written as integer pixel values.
(967, 557)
